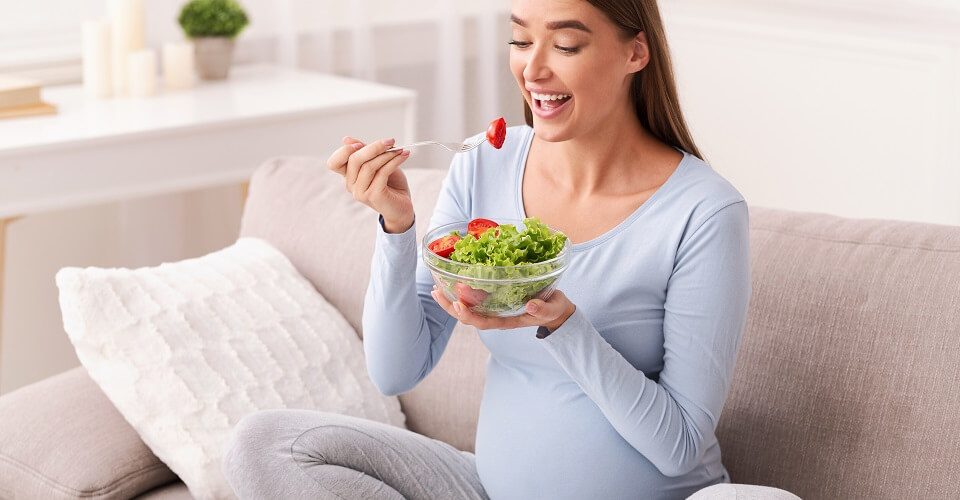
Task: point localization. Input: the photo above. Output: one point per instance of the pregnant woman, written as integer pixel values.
(611, 388)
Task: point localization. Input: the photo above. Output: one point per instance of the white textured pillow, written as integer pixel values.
(184, 350)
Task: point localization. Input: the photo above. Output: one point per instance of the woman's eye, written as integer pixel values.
(518, 44)
(567, 50)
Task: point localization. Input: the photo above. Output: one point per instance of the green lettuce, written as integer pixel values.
(507, 246)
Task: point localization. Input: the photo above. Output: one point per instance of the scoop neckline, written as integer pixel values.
(579, 247)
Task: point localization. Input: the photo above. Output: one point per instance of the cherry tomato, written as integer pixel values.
(443, 246)
(497, 132)
(469, 296)
(476, 227)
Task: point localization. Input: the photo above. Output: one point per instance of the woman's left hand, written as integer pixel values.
(550, 313)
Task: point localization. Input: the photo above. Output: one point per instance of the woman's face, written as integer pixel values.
(573, 66)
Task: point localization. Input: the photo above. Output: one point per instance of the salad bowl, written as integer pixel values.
(496, 274)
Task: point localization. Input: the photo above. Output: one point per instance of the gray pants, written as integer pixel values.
(281, 454)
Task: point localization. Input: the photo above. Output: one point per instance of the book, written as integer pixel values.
(18, 92)
(42, 108)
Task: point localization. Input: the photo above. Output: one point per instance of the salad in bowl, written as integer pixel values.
(496, 267)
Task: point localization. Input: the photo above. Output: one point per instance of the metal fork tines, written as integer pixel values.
(456, 147)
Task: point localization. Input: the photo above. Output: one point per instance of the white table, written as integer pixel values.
(99, 151)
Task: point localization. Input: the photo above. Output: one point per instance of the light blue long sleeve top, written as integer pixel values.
(621, 401)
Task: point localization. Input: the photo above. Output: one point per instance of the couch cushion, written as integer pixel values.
(304, 209)
(846, 384)
(61, 438)
(186, 349)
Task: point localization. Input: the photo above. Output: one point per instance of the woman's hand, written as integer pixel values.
(550, 313)
(373, 177)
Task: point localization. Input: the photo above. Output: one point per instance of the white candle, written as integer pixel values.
(128, 19)
(142, 73)
(178, 65)
(97, 55)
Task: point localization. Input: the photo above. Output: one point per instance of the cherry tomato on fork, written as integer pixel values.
(497, 132)
(443, 246)
(476, 227)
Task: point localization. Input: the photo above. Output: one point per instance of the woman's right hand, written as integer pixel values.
(373, 177)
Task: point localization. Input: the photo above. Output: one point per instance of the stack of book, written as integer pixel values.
(21, 97)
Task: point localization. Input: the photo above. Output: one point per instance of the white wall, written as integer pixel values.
(848, 107)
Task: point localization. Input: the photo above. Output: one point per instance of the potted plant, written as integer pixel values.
(213, 25)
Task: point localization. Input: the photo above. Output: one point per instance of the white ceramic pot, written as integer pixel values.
(214, 55)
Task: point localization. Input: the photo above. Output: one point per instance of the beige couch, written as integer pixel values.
(847, 385)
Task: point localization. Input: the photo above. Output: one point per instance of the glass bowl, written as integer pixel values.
(493, 291)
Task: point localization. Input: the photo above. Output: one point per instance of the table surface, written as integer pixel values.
(252, 93)
(106, 150)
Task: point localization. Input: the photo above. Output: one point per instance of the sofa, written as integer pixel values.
(847, 383)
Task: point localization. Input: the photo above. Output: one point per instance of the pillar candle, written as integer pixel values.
(97, 55)
(142, 73)
(178, 65)
(128, 19)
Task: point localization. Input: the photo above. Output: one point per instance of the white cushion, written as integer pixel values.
(184, 350)
(728, 491)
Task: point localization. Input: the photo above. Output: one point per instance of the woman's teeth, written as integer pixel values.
(548, 97)
(548, 102)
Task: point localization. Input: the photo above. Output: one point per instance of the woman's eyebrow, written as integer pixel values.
(570, 24)
(555, 25)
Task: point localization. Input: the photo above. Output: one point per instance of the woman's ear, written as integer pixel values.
(640, 56)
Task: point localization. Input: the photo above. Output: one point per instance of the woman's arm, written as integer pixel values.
(704, 314)
(404, 330)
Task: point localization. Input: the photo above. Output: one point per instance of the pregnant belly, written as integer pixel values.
(551, 441)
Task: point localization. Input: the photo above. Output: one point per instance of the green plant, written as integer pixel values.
(200, 18)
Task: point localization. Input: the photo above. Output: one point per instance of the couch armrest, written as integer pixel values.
(728, 491)
(62, 438)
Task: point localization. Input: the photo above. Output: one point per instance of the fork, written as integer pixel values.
(456, 147)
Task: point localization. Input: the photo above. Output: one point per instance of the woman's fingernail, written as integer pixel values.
(356, 145)
(531, 307)
(456, 307)
(389, 142)
(405, 153)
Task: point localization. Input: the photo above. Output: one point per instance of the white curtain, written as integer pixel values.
(453, 54)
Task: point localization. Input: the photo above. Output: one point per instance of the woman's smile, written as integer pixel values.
(549, 104)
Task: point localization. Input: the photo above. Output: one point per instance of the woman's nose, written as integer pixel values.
(536, 67)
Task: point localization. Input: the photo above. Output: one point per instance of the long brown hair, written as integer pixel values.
(653, 89)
